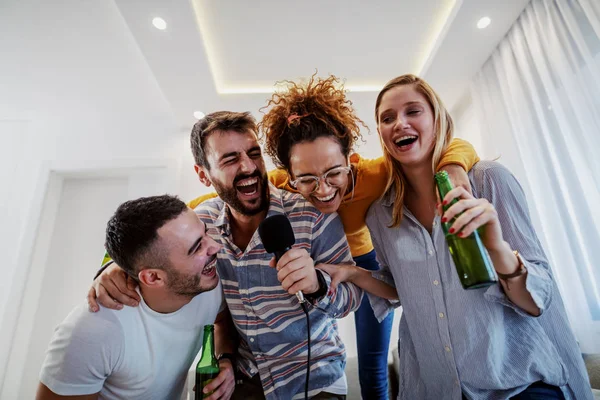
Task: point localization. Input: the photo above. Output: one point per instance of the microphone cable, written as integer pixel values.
(305, 308)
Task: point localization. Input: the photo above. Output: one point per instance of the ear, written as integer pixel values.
(152, 278)
(202, 175)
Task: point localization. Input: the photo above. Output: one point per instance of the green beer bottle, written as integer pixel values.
(472, 261)
(208, 366)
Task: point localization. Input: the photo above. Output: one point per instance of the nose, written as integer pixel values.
(247, 166)
(212, 247)
(401, 123)
(323, 188)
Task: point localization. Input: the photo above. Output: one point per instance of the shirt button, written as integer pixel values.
(252, 339)
(441, 315)
(447, 349)
(436, 282)
(456, 382)
(430, 252)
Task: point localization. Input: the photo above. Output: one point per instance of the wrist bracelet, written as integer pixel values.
(521, 270)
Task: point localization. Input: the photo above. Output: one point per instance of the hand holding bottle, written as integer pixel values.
(476, 213)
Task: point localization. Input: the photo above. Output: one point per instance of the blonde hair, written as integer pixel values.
(443, 131)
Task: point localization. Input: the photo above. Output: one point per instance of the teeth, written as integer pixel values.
(208, 268)
(326, 198)
(248, 182)
(404, 138)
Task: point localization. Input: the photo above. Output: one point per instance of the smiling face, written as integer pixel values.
(316, 158)
(406, 125)
(237, 171)
(191, 255)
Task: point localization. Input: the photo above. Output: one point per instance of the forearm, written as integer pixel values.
(226, 335)
(506, 262)
(364, 279)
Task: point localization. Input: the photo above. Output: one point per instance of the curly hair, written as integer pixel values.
(305, 112)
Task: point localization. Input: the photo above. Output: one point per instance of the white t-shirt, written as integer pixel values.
(134, 353)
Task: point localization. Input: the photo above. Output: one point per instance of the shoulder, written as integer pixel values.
(83, 330)
(295, 204)
(210, 209)
(489, 177)
(375, 213)
(369, 166)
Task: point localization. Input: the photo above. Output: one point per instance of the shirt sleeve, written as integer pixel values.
(329, 246)
(503, 190)
(278, 177)
(84, 351)
(459, 152)
(381, 307)
(201, 199)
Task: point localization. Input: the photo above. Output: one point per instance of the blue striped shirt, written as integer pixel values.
(477, 342)
(270, 321)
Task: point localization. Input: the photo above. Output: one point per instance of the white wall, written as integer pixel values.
(75, 93)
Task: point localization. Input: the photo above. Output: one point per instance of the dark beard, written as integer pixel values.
(230, 195)
(185, 285)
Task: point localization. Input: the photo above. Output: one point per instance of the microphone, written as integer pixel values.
(277, 236)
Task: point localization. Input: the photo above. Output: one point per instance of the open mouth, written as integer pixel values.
(248, 187)
(405, 141)
(326, 199)
(210, 268)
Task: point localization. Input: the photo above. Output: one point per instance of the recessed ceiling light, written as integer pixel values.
(483, 22)
(199, 114)
(159, 23)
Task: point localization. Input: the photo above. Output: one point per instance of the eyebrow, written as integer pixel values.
(408, 103)
(236, 153)
(194, 246)
(197, 242)
(230, 154)
(303, 175)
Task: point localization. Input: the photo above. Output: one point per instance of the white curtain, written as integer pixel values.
(537, 100)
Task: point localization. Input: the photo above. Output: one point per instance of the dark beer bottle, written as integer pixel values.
(472, 261)
(208, 366)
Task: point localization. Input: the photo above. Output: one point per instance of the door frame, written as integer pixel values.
(16, 330)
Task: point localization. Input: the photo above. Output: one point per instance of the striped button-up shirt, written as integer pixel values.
(474, 342)
(271, 323)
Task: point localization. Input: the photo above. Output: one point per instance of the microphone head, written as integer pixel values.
(276, 233)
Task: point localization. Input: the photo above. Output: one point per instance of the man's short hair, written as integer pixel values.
(222, 121)
(132, 232)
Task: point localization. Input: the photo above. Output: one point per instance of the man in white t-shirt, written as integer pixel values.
(145, 352)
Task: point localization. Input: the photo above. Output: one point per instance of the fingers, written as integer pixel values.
(223, 385)
(213, 386)
(291, 267)
(290, 256)
(330, 269)
(106, 300)
(298, 281)
(116, 285)
(91, 299)
(474, 218)
(456, 193)
(273, 263)
(458, 208)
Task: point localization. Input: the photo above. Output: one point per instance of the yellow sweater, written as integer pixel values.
(371, 179)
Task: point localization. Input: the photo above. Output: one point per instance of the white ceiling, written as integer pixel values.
(227, 54)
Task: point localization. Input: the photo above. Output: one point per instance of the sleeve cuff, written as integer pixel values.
(322, 291)
(537, 283)
(69, 389)
(382, 307)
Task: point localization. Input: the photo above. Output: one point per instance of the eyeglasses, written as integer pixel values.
(310, 183)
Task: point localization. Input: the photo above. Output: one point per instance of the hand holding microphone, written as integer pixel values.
(295, 268)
